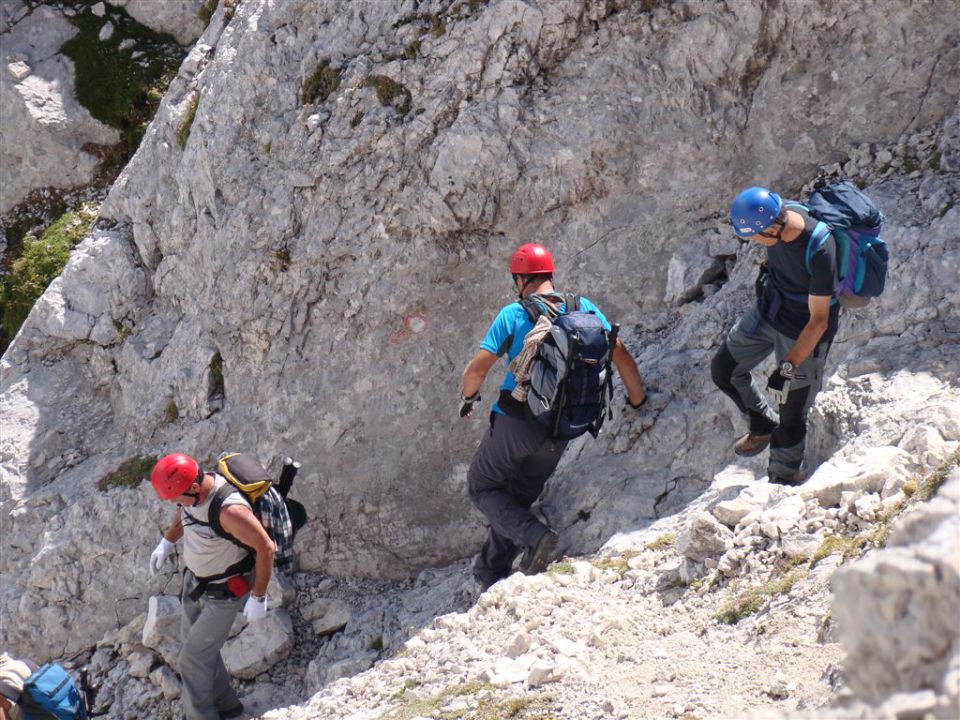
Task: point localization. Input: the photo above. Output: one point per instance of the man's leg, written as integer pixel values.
(499, 490)
(204, 628)
(750, 342)
(789, 438)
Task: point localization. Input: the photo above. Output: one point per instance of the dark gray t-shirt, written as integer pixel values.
(787, 265)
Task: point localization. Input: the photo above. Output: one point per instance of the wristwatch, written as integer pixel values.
(787, 369)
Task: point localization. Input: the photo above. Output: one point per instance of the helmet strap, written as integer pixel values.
(781, 226)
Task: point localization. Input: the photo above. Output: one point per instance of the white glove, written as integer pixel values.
(255, 608)
(159, 555)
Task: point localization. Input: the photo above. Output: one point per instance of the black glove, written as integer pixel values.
(779, 386)
(466, 404)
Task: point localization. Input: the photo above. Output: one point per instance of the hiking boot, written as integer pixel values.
(792, 479)
(750, 444)
(235, 711)
(537, 557)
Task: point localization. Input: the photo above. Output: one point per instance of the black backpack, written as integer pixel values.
(280, 515)
(570, 378)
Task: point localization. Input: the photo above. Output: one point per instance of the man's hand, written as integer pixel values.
(160, 554)
(466, 404)
(255, 608)
(779, 386)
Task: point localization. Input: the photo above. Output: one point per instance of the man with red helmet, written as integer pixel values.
(216, 579)
(516, 457)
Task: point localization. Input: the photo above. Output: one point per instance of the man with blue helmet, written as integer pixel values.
(795, 318)
(516, 455)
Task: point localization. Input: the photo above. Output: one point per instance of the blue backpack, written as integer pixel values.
(570, 377)
(856, 223)
(50, 694)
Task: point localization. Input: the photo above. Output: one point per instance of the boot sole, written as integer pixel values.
(750, 453)
(541, 557)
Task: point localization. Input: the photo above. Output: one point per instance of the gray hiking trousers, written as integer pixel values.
(204, 627)
(749, 343)
(506, 476)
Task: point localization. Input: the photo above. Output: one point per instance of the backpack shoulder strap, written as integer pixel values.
(216, 505)
(817, 237)
(572, 301)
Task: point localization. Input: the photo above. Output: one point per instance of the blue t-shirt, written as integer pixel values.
(511, 326)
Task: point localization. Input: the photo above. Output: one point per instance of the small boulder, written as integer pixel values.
(260, 646)
(704, 537)
(328, 615)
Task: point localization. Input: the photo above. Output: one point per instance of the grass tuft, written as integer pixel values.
(186, 122)
(929, 486)
(41, 260)
(611, 563)
(129, 474)
(833, 544)
(663, 542)
(750, 602)
(564, 567)
(413, 708)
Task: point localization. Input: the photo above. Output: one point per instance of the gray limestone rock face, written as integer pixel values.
(43, 128)
(284, 271)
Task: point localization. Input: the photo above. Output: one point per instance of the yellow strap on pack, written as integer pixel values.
(246, 474)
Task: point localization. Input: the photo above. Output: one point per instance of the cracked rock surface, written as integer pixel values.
(307, 273)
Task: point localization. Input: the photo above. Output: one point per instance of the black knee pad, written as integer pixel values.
(722, 367)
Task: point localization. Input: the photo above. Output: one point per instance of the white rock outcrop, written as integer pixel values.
(43, 128)
(180, 18)
(897, 609)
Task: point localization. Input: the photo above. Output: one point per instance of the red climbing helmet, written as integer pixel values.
(173, 474)
(531, 259)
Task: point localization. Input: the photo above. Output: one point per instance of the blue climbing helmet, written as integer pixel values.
(754, 210)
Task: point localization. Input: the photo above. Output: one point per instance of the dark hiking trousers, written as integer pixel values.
(506, 476)
(750, 342)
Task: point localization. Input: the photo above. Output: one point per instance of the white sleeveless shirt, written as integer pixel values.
(204, 552)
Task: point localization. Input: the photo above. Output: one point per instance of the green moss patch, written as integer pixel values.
(322, 82)
(422, 708)
(129, 474)
(663, 542)
(121, 88)
(41, 260)
(750, 602)
(390, 92)
(619, 564)
(207, 10)
(217, 387)
(186, 122)
(564, 567)
(929, 486)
